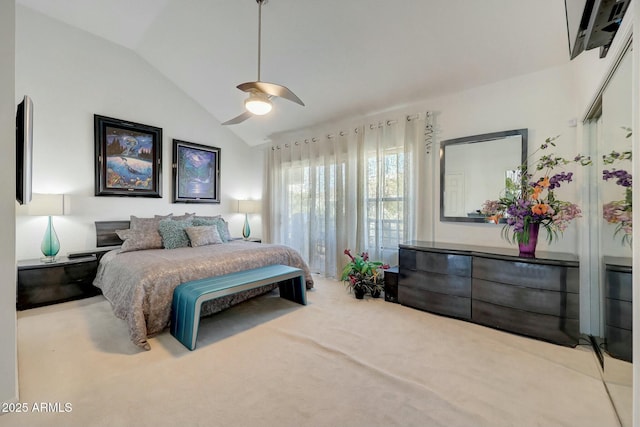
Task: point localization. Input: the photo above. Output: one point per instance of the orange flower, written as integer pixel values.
(540, 209)
(536, 192)
(544, 182)
(494, 219)
(540, 186)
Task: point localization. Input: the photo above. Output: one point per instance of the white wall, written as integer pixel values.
(8, 350)
(72, 75)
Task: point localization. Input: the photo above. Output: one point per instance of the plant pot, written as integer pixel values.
(359, 293)
(375, 293)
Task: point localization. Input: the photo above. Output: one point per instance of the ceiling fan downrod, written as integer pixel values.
(260, 3)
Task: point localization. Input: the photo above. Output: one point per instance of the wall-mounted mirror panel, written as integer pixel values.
(466, 183)
(613, 184)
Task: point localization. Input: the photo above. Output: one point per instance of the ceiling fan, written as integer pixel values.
(260, 93)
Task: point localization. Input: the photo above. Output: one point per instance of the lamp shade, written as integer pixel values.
(258, 104)
(249, 206)
(45, 205)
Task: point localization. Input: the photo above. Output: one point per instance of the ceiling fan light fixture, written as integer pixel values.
(258, 104)
(260, 93)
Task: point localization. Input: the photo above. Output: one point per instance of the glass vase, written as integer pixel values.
(50, 244)
(528, 250)
(246, 230)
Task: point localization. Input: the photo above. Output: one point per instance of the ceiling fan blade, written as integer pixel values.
(271, 89)
(239, 119)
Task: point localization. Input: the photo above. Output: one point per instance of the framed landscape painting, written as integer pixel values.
(128, 158)
(196, 173)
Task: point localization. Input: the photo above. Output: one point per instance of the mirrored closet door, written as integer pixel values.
(609, 128)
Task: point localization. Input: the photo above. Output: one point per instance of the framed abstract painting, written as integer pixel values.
(128, 158)
(196, 173)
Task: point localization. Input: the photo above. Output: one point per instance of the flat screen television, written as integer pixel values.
(593, 23)
(24, 150)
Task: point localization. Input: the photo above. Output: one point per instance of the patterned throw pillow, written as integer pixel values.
(209, 217)
(173, 233)
(148, 226)
(204, 235)
(137, 240)
(223, 227)
(226, 235)
(142, 233)
(184, 217)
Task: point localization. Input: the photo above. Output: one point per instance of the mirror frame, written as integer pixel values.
(473, 140)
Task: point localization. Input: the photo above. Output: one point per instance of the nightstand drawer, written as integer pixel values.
(50, 283)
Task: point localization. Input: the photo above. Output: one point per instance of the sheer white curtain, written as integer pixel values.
(351, 189)
(312, 197)
(391, 154)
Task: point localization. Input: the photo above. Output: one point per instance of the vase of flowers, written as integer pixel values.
(361, 275)
(528, 249)
(620, 212)
(534, 205)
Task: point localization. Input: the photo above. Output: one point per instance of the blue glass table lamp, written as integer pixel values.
(248, 207)
(47, 205)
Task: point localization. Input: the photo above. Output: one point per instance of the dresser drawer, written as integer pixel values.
(448, 305)
(618, 313)
(549, 328)
(618, 285)
(561, 304)
(434, 282)
(531, 275)
(619, 343)
(458, 265)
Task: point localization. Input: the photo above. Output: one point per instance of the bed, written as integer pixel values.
(139, 284)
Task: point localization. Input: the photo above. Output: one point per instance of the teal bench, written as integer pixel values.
(188, 297)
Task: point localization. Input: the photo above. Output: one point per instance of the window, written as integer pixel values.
(385, 203)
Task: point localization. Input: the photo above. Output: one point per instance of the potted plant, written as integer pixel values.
(363, 275)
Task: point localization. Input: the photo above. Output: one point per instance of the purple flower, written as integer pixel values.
(555, 180)
(621, 176)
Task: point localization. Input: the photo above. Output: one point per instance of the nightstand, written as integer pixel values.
(250, 239)
(66, 279)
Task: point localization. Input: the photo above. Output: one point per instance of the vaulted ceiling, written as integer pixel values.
(343, 58)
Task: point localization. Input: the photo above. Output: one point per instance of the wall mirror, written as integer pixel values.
(466, 183)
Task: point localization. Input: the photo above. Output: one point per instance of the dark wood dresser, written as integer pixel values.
(618, 307)
(537, 297)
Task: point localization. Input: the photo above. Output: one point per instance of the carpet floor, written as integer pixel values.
(270, 362)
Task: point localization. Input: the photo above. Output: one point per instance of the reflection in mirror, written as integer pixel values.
(613, 184)
(466, 182)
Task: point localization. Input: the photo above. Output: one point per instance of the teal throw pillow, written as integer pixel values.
(174, 233)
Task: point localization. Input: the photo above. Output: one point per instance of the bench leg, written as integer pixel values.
(294, 290)
(185, 319)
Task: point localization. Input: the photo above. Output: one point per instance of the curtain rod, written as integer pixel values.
(372, 126)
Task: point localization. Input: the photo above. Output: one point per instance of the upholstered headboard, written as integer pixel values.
(106, 232)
